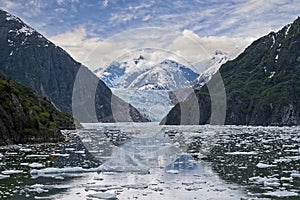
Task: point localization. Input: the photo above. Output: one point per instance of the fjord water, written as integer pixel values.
(148, 161)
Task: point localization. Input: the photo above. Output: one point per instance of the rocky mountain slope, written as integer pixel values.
(26, 117)
(213, 65)
(31, 59)
(262, 84)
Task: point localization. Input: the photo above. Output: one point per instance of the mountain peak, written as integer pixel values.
(16, 25)
(34, 61)
(165, 75)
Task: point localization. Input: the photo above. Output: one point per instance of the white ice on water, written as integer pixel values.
(280, 193)
(11, 171)
(262, 165)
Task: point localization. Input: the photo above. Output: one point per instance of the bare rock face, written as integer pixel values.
(262, 84)
(31, 59)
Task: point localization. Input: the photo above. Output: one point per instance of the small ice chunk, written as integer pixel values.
(36, 186)
(172, 171)
(271, 183)
(37, 156)
(70, 149)
(52, 170)
(295, 175)
(24, 164)
(262, 165)
(286, 178)
(12, 171)
(257, 179)
(39, 188)
(80, 152)
(60, 154)
(4, 176)
(241, 153)
(279, 193)
(36, 165)
(25, 149)
(103, 195)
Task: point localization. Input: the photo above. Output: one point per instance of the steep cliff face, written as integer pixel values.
(26, 117)
(31, 59)
(262, 84)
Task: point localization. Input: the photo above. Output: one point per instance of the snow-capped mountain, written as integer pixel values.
(139, 73)
(211, 67)
(148, 85)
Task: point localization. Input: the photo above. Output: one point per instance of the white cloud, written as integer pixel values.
(105, 3)
(256, 18)
(184, 47)
(10, 5)
(76, 43)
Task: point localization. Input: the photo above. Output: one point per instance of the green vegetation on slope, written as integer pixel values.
(262, 84)
(27, 117)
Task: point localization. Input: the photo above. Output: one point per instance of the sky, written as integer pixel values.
(97, 32)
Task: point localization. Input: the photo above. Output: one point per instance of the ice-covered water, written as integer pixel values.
(148, 161)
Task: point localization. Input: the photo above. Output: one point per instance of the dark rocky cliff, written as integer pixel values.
(31, 59)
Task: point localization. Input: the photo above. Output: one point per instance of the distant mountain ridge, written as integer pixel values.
(31, 59)
(262, 84)
(138, 73)
(146, 84)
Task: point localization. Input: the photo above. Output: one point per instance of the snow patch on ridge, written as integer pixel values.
(10, 17)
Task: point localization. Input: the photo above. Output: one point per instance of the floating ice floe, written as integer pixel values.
(266, 181)
(295, 175)
(12, 171)
(25, 149)
(80, 152)
(52, 170)
(283, 193)
(70, 149)
(37, 156)
(241, 153)
(286, 178)
(103, 195)
(60, 154)
(39, 188)
(262, 165)
(36, 165)
(4, 176)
